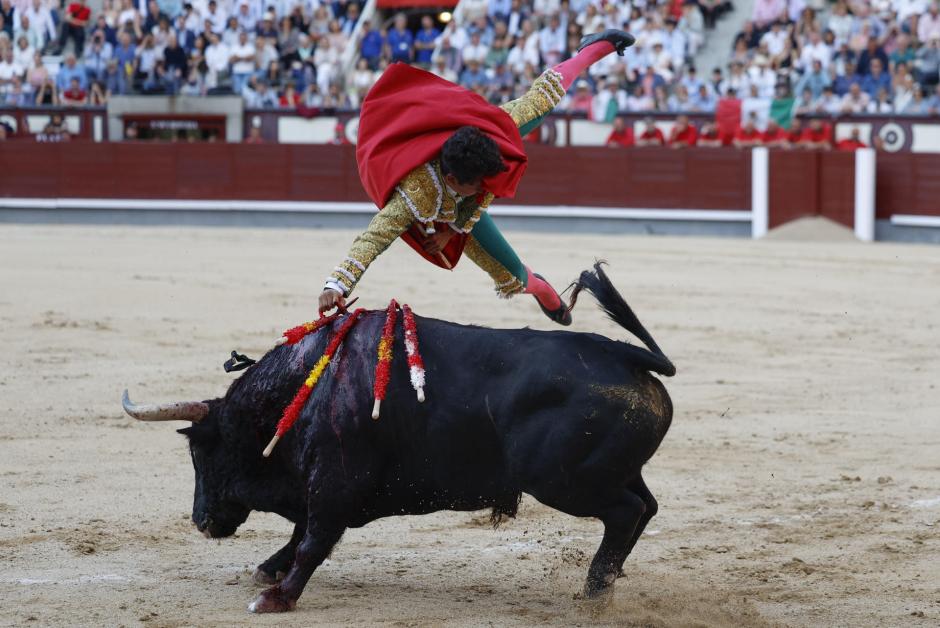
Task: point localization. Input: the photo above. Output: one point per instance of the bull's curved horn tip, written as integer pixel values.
(421, 395)
(281, 341)
(375, 408)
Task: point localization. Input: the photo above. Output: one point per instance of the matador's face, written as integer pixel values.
(463, 189)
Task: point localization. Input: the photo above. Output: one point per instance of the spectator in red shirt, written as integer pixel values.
(795, 133)
(710, 136)
(651, 136)
(818, 135)
(747, 135)
(290, 98)
(75, 20)
(683, 133)
(773, 135)
(339, 137)
(74, 95)
(851, 143)
(621, 135)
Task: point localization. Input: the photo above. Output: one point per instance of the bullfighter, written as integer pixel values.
(434, 155)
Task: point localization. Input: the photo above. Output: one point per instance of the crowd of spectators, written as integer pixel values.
(816, 134)
(791, 57)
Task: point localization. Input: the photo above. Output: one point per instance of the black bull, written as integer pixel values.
(569, 418)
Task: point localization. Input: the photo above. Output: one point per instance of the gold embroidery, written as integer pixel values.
(506, 283)
(544, 95)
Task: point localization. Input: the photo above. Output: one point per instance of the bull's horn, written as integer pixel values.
(193, 411)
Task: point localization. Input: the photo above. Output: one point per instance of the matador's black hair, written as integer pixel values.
(469, 155)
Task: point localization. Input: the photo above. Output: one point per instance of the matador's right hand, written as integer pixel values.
(329, 299)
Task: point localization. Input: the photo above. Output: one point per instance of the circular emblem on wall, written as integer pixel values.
(893, 136)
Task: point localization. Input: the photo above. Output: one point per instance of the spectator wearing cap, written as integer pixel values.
(774, 135)
(400, 40)
(425, 41)
(852, 142)
(747, 134)
(856, 100)
(242, 59)
(77, 15)
(928, 25)
(876, 80)
(683, 133)
(268, 30)
(815, 80)
(621, 136)
(703, 100)
(651, 135)
(818, 135)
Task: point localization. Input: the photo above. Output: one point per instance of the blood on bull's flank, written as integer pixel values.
(336, 468)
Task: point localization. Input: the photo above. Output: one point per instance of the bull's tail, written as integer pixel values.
(599, 285)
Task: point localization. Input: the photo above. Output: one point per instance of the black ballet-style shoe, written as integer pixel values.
(620, 39)
(561, 314)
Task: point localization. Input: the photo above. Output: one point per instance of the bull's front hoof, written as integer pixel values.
(272, 601)
(598, 588)
(262, 577)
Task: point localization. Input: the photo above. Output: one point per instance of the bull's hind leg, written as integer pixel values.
(622, 520)
(277, 566)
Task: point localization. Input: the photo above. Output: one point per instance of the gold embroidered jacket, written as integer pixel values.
(423, 196)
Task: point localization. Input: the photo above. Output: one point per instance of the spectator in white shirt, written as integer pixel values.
(243, 62)
(552, 41)
(40, 20)
(814, 50)
(855, 101)
(217, 60)
(247, 16)
(476, 50)
(928, 26)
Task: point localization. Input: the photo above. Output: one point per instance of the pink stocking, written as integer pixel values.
(542, 291)
(571, 68)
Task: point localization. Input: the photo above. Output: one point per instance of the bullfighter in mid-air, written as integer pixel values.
(434, 155)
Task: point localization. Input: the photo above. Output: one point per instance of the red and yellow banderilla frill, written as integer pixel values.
(293, 409)
(384, 359)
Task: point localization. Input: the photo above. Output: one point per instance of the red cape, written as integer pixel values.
(405, 119)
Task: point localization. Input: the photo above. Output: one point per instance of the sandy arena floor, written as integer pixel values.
(799, 485)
